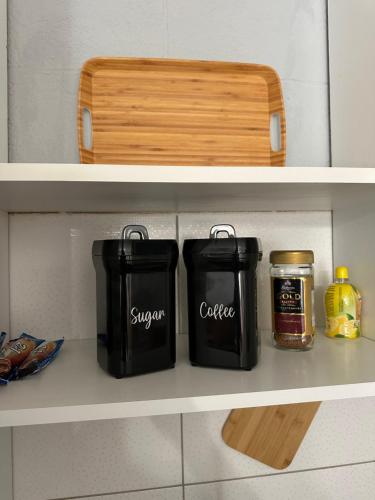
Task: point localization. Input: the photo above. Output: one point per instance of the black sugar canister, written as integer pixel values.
(222, 299)
(135, 291)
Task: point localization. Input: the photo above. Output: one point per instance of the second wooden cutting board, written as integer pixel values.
(269, 434)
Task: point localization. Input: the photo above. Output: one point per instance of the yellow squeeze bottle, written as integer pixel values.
(343, 307)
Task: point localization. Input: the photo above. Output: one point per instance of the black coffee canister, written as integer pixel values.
(135, 291)
(222, 299)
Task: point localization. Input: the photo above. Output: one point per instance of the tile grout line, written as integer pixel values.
(95, 495)
(329, 88)
(182, 456)
(217, 481)
(299, 471)
(7, 84)
(9, 333)
(178, 277)
(166, 40)
(12, 458)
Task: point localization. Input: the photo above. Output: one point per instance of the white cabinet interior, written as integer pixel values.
(352, 81)
(3, 82)
(348, 194)
(84, 391)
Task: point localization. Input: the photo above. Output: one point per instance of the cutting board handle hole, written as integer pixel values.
(275, 132)
(87, 128)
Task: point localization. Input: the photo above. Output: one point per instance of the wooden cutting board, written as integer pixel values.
(177, 112)
(270, 434)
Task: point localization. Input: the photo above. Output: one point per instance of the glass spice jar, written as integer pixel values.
(292, 288)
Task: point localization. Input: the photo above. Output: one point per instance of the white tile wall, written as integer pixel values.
(307, 137)
(162, 494)
(94, 458)
(53, 278)
(286, 35)
(52, 274)
(4, 272)
(51, 111)
(277, 230)
(6, 461)
(77, 31)
(63, 460)
(49, 42)
(343, 483)
(336, 437)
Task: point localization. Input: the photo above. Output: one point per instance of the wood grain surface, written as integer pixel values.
(177, 112)
(270, 434)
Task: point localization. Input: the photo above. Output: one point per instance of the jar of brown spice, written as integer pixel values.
(292, 288)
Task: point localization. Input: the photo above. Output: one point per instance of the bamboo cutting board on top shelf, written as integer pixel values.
(269, 434)
(180, 112)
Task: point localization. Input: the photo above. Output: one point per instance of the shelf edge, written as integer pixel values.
(37, 416)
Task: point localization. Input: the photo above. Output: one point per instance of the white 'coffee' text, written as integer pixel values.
(218, 311)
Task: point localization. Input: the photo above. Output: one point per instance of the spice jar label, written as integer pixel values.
(292, 286)
(289, 305)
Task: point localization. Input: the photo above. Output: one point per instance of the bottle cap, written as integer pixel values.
(342, 272)
(292, 257)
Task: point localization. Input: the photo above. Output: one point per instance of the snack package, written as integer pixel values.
(2, 338)
(14, 353)
(39, 358)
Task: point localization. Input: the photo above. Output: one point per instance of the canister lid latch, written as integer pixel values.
(222, 228)
(134, 229)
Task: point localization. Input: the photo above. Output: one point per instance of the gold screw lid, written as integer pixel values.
(292, 257)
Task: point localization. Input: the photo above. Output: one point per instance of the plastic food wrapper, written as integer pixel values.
(39, 358)
(2, 338)
(14, 353)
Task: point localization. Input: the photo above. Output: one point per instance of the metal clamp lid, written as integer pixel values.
(134, 229)
(222, 228)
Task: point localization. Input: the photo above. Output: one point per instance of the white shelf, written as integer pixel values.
(108, 188)
(74, 388)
